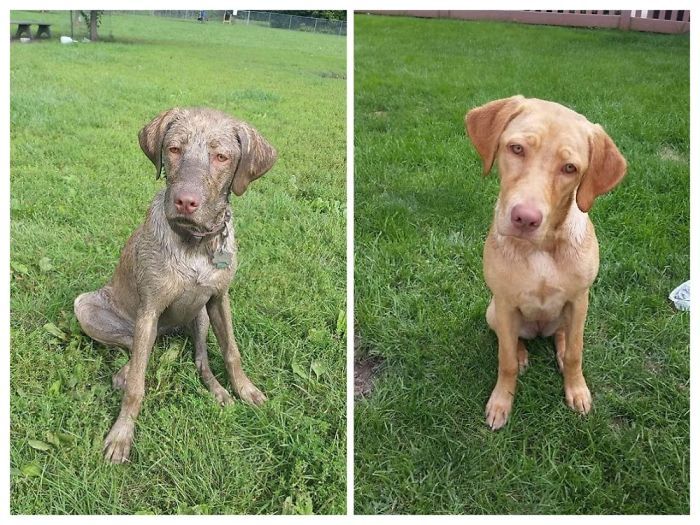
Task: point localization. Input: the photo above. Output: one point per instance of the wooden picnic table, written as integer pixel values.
(24, 28)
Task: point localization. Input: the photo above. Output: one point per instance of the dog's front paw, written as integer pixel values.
(222, 396)
(118, 442)
(578, 397)
(249, 393)
(498, 409)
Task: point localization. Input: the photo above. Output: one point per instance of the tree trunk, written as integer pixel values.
(93, 25)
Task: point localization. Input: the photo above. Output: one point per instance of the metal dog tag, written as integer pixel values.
(222, 259)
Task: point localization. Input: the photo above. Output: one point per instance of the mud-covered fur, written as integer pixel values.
(165, 278)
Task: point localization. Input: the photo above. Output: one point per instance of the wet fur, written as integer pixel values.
(165, 278)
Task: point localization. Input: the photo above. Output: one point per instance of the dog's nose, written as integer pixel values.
(186, 203)
(525, 218)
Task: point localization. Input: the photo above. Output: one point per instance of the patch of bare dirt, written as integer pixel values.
(366, 369)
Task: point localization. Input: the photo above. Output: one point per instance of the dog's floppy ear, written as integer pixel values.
(606, 167)
(152, 134)
(257, 157)
(485, 124)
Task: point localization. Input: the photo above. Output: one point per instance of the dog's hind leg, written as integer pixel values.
(560, 345)
(199, 328)
(100, 320)
(523, 361)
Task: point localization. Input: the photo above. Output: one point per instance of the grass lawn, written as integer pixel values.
(423, 211)
(80, 185)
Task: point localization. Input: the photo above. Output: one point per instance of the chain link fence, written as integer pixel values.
(262, 18)
(297, 23)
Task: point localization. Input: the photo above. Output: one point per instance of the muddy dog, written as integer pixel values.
(541, 254)
(175, 269)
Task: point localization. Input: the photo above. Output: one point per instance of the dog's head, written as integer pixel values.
(547, 155)
(206, 155)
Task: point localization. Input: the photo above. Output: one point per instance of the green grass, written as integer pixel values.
(80, 184)
(422, 213)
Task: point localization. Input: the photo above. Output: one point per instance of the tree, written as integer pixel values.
(95, 17)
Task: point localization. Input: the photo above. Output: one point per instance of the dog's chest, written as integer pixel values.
(542, 296)
(195, 279)
(200, 272)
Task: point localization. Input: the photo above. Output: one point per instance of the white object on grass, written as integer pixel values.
(681, 296)
(66, 40)
(25, 40)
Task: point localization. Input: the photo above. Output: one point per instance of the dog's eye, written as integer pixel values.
(221, 158)
(569, 168)
(174, 150)
(516, 148)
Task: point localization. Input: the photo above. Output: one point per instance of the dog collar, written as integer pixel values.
(216, 229)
